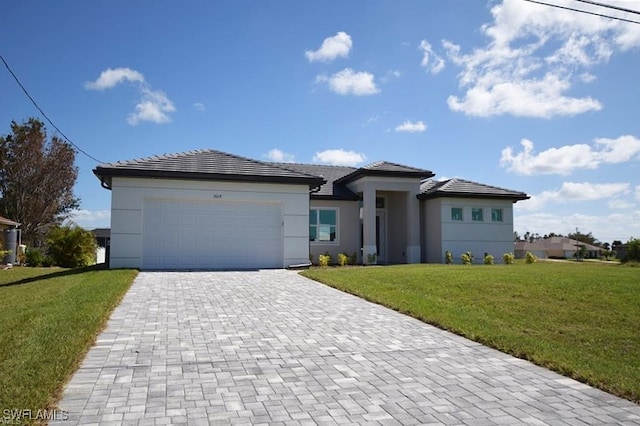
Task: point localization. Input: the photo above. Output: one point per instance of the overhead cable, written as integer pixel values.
(584, 11)
(45, 115)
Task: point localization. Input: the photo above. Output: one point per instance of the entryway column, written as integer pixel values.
(413, 228)
(368, 224)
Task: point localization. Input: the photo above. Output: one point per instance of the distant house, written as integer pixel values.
(213, 210)
(9, 238)
(554, 247)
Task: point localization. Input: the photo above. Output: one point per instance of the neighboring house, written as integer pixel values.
(103, 236)
(9, 238)
(212, 210)
(555, 247)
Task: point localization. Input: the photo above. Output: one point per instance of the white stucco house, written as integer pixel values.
(208, 209)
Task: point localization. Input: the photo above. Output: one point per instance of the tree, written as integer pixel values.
(584, 238)
(36, 179)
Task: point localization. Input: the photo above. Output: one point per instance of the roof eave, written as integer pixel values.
(514, 197)
(384, 173)
(103, 173)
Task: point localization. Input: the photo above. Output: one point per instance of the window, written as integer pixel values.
(496, 215)
(323, 225)
(476, 214)
(456, 213)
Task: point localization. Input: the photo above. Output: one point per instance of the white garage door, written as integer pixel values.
(186, 234)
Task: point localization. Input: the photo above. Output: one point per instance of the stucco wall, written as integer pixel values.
(127, 200)
(348, 229)
(441, 233)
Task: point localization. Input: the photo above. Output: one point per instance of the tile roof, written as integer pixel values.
(330, 174)
(464, 188)
(385, 168)
(204, 164)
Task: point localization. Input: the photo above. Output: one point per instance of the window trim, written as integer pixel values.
(336, 241)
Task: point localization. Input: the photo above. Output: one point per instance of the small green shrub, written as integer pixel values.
(448, 257)
(71, 246)
(353, 259)
(467, 258)
(324, 259)
(530, 258)
(343, 259)
(508, 258)
(34, 257)
(371, 258)
(488, 259)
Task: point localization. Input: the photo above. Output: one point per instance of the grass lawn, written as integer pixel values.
(48, 321)
(579, 319)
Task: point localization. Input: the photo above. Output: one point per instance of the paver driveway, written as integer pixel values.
(273, 347)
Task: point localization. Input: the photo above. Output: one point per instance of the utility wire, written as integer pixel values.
(583, 11)
(609, 6)
(45, 115)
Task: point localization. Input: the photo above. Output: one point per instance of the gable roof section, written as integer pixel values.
(331, 174)
(207, 164)
(465, 188)
(385, 168)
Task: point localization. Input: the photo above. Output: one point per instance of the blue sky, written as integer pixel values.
(507, 93)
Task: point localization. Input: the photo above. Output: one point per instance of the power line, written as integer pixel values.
(45, 115)
(609, 6)
(584, 11)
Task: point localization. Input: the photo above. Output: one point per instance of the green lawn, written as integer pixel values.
(580, 319)
(49, 319)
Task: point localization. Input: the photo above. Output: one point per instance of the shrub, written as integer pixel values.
(508, 258)
(34, 257)
(71, 246)
(467, 258)
(342, 259)
(3, 253)
(324, 259)
(371, 258)
(488, 259)
(448, 257)
(633, 251)
(353, 259)
(530, 258)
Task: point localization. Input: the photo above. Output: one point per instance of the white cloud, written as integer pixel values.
(606, 228)
(334, 47)
(111, 77)
(567, 158)
(280, 156)
(618, 203)
(574, 192)
(430, 60)
(638, 192)
(90, 219)
(411, 127)
(199, 106)
(533, 56)
(390, 75)
(349, 82)
(153, 106)
(339, 157)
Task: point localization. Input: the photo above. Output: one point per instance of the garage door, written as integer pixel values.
(187, 234)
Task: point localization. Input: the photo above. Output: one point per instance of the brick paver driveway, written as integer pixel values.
(273, 347)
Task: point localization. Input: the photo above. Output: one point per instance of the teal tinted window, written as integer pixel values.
(323, 225)
(456, 213)
(476, 214)
(496, 215)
